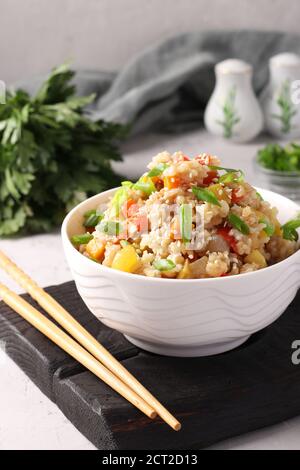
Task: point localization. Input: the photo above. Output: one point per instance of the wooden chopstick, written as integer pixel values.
(50, 305)
(68, 344)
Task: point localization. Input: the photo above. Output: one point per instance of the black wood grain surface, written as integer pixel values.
(214, 397)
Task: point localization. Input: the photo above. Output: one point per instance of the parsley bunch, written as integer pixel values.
(276, 157)
(52, 156)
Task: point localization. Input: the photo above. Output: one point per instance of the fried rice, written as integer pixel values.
(186, 219)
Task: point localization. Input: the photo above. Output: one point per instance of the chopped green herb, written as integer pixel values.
(124, 243)
(120, 196)
(90, 212)
(220, 168)
(278, 158)
(127, 184)
(93, 219)
(164, 264)
(259, 196)
(269, 229)
(109, 227)
(145, 185)
(231, 175)
(157, 170)
(238, 223)
(290, 230)
(82, 239)
(205, 195)
(52, 155)
(185, 221)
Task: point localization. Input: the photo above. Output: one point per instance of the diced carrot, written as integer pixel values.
(171, 182)
(95, 249)
(129, 208)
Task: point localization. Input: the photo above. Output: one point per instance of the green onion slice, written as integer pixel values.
(238, 223)
(269, 229)
(290, 230)
(206, 195)
(145, 185)
(93, 219)
(120, 196)
(185, 221)
(157, 170)
(109, 227)
(164, 264)
(82, 239)
(90, 212)
(231, 175)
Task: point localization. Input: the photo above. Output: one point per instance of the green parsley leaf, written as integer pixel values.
(52, 156)
(280, 158)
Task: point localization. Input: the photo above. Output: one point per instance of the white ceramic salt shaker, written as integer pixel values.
(233, 110)
(280, 99)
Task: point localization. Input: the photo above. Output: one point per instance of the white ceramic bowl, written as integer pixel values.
(195, 317)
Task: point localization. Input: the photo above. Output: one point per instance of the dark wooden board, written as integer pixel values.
(215, 398)
(39, 357)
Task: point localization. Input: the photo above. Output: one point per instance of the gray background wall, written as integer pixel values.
(38, 34)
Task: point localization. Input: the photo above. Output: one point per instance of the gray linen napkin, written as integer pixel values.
(167, 86)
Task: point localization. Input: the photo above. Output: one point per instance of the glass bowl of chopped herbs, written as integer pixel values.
(278, 168)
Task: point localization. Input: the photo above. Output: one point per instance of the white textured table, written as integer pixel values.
(29, 420)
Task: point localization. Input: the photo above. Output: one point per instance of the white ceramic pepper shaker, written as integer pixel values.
(279, 99)
(233, 110)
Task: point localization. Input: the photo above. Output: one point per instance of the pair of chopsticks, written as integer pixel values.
(86, 350)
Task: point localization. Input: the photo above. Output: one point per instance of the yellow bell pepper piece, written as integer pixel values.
(278, 231)
(126, 260)
(257, 258)
(95, 249)
(277, 226)
(185, 273)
